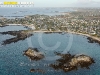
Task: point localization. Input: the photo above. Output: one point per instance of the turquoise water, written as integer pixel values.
(12, 61)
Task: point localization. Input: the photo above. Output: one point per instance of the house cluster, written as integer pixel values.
(82, 21)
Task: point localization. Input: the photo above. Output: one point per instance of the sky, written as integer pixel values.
(62, 3)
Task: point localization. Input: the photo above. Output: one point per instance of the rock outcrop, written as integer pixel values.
(37, 70)
(91, 40)
(19, 35)
(69, 62)
(34, 54)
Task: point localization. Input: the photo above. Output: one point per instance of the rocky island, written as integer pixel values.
(69, 62)
(34, 54)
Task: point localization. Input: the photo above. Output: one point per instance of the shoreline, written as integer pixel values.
(87, 35)
(38, 31)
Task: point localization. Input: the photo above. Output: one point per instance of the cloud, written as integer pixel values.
(86, 3)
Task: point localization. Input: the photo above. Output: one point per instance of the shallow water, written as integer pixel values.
(21, 12)
(14, 63)
(12, 28)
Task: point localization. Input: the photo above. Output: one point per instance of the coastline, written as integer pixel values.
(87, 35)
(38, 31)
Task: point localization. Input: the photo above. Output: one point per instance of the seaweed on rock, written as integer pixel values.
(69, 62)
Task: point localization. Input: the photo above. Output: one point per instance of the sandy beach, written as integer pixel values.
(92, 37)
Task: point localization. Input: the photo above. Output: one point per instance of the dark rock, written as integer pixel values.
(32, 70)
(91, 40)
(19, 35)
(34, 54)
(69, 62)
(37, 70)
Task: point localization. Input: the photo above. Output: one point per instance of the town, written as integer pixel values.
(82, 20)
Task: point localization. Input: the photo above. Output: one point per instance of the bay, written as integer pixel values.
(14, 63)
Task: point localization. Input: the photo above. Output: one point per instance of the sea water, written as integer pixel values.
(12, 61)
